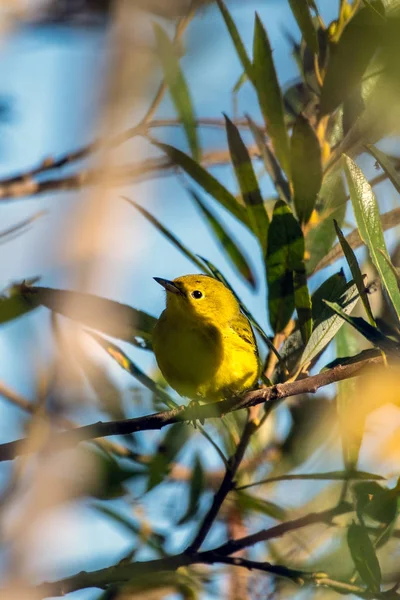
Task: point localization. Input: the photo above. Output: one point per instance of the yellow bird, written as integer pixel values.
(204, 345)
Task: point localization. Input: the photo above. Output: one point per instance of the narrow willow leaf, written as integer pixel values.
(248, 183)
(168, 234)
(112, 318)
(125, 362)
(367, 215)
(306, 168)
(329, 476)
(329, 323)
(364, 556)
(302, 302)
(350, 58)
(269, 94)
(178, 87)
(169, 447)
(195, 491)
(236, 39)
(285, 254)
(227, 243)
(387, 165)
(355, 271)
(211, 185)
(249, 503)
(301, 12)
(368, 331)
(271, 164)
(241, 80)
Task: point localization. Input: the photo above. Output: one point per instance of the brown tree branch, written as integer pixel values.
(273, 395)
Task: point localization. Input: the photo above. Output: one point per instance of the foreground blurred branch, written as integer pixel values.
(274, 395)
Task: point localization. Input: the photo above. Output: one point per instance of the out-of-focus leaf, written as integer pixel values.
(372, 334)
(109, 317)
(168, 448)
(195, 491)
(211, 185)
(376, 502)
(271, 164)
(250, 504)
(364, 556)
(168, 234)
(302, 302)
(226, 241)
(122, 359)
(387, 165)
(178, 87)
(269, 95)
(319, 239)
(329, 476)
(329, 323)
(13, 307)
(236, 39)
(353, 106)
(241, 80)
(355, 271)
(248, 183)
(367, 215)
(306, 168)
(285, 254)
(301, 12)
(350, 58)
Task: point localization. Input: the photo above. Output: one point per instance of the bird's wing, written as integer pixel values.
(243, 329)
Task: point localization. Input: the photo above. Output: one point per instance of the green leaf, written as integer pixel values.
(355, 271)
(112, 318)
(168, 234)
(13, 307)
(168, 448)
(306, 168)
(209, 184)
(328, 322)
(369, 224)
(372, 334)
(302, 302)
(329, 476)
(387, 165)
(269, 94)
(178, 87)
(271, 164)
(125, 362)
(227, 243)
(375, 501)
(285, 255)
(250, 504)
(364, 557)
(248, 183)
(301, 12)
(195, 491)
(350, 58)
(236, 39)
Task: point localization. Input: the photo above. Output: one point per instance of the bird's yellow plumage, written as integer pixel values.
(204, 345)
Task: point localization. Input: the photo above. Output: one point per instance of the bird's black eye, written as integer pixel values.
(197, 294)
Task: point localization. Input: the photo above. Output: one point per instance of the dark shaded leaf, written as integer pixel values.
(306, 168)
(112, 318)
(269, 94)
(227, 243)
(168, 234)
(330, 476)
(376, 502)
(350, 58)
(355, 271)
(301, 12)
(248, 183)
(364, 556)
(125, 362)
(367, 215)
(169, 447)
(178, 87)
(195, 491)
(211, 185)
(387, 165)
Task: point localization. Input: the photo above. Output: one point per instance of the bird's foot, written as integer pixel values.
(194, 404)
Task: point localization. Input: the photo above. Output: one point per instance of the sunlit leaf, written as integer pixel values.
(301, 12)
(367, 215)
(167, 233)
(350, 58)
(364, 556)
(387, 165)
(207, 181)
(306, 168)
(178, 87)
(248, 183)
(355, 271)
(125, 362)
(236, 39)
(269, 94)
(112, 318)
(13, 306)
(226, 241)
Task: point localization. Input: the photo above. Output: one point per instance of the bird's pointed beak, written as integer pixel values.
(168, 285)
